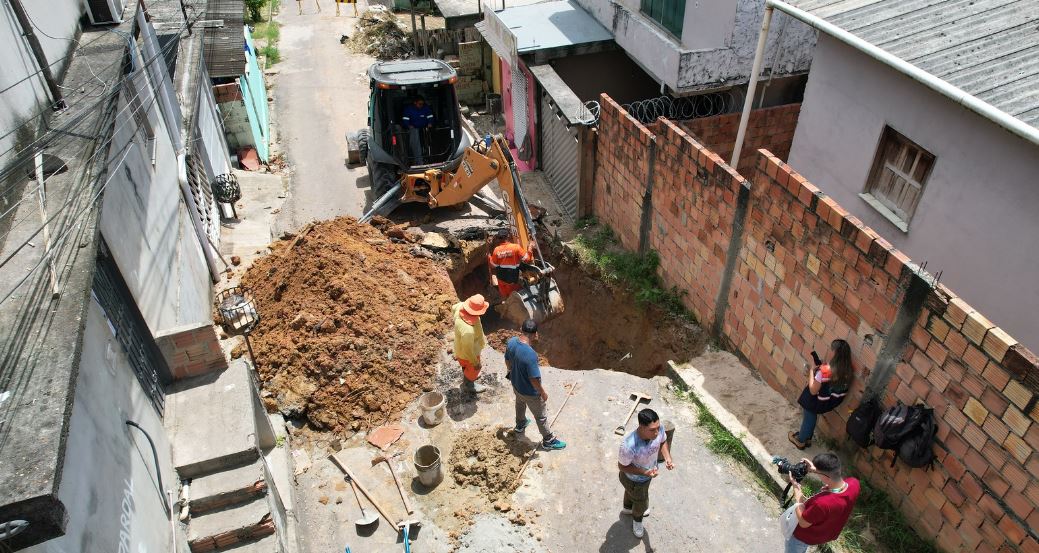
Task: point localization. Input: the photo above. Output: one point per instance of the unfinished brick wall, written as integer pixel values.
(770, 128)
(191, 351)
(775, 268)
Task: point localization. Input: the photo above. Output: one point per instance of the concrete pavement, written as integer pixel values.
(320, 95)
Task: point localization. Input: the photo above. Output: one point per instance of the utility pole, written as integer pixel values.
(37, 51)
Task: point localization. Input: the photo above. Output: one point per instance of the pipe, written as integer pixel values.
(37, 52)
(189, 198)
(984, 109)
(752, 85)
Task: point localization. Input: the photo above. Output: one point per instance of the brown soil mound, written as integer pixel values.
(487, 461)
(351, 324)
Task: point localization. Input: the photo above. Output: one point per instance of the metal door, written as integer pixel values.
(559, 157)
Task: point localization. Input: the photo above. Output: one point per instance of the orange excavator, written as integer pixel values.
(483, 162)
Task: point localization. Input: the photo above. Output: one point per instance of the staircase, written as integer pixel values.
(218, 429)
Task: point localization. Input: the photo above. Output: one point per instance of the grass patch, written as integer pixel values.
(271, 55)
(269, 31)
(600, 249)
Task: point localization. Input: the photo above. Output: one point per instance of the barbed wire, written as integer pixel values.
(677, 109)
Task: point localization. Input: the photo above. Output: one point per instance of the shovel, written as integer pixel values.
(638, 397)
(367, 519)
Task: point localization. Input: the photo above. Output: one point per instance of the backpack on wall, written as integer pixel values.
(863, 419)
(894, 425)
(917, 448)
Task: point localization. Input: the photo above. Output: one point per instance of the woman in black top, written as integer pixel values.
(828, 383)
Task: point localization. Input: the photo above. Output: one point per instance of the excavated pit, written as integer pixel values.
(603, 327)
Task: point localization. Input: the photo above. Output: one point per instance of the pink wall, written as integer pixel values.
(506, 102)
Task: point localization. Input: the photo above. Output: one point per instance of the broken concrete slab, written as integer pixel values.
(211, 422)
(226, 487)
(242, 519)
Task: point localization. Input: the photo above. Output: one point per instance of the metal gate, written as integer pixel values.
(559, 157)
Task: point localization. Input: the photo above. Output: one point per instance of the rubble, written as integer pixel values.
(380, 35)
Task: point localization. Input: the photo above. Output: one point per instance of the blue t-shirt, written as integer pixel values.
(419, 118)
(523, 362)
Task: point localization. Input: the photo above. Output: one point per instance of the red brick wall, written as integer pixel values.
(191, 351)
(769, 128)
(807, 272)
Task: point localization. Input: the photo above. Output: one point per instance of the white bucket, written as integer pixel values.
(427, 463)
(433, 410)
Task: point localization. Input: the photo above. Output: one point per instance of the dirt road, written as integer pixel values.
(321, 95)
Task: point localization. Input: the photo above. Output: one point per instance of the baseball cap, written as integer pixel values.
(529, 326)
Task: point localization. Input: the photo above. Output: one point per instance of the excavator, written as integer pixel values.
(449, 168)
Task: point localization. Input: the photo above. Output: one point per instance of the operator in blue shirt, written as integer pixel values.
(417, 117)
(525, 375)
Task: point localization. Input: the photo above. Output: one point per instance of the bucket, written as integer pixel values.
(433, 410)
(427, 463)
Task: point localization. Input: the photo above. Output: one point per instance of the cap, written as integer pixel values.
(529, 326)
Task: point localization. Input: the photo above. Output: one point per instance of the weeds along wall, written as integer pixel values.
(775, 268)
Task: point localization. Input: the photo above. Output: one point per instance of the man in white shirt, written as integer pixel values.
(637, 461)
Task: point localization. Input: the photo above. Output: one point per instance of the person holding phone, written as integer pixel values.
(828, 383)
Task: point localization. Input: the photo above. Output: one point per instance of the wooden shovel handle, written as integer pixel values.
(360, 486)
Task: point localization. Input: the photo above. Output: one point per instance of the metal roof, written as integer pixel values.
(987, 48)
(225, 44)
(555, 24)
(405, 72)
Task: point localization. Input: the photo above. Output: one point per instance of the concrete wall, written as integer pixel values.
(147, 226)
(110, 483)
(717, 44)
(776, 268)
(848, 102)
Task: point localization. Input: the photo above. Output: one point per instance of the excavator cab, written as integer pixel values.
(413, 121)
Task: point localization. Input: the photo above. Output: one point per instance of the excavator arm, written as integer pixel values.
(488, 160)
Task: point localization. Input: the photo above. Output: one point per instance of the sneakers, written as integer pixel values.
(797, 442)
(470, 386)
(521, 427)
(638, 529)
(626, 511)
(554, 443)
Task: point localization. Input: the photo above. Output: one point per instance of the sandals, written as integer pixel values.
(797, 443)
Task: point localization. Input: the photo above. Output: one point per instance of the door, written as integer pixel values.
(559, 157)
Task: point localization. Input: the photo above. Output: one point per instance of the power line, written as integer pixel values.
(23, 157)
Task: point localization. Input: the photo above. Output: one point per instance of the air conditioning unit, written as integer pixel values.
(105, 11)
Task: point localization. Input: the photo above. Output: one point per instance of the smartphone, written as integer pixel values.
(816, 360)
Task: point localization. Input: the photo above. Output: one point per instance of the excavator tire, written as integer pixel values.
(541, 301)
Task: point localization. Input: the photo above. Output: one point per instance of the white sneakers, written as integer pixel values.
(628, 511)
(638, 529)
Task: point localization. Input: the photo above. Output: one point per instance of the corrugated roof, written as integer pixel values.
(225, 46)
(987, 48)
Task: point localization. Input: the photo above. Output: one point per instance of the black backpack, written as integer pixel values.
(897, 422)
(863, 419)
(917, 448)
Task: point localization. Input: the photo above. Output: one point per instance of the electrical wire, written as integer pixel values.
(23, 158)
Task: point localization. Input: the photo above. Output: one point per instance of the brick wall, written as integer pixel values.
(191, 351)
(775, 268)
(769, 128)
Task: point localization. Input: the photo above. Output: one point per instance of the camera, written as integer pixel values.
(796, 470)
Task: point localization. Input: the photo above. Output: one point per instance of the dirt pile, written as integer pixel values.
(351, 324)
(381, 36)
(489, 461)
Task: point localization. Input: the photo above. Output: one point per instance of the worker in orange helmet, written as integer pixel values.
(506, 262)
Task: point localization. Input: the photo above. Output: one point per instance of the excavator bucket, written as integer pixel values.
(540, 301)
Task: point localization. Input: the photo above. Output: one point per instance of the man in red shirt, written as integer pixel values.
(823, 516)
(506, 262)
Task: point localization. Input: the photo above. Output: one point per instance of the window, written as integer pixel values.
(897, 179)
(669, 13)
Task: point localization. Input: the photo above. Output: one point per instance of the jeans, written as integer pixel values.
(538, 409)
(636, 496)
(808, 421)
(794, 545)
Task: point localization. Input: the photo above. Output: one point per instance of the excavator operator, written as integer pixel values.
(507, 261)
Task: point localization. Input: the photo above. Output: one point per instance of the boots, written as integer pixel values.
(472, 386)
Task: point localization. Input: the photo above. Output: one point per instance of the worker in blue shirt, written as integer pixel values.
(417, 117)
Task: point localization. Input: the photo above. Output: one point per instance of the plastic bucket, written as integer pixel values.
(433, 411)
(427, 463)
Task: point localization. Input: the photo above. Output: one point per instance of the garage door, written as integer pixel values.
(559, 157)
